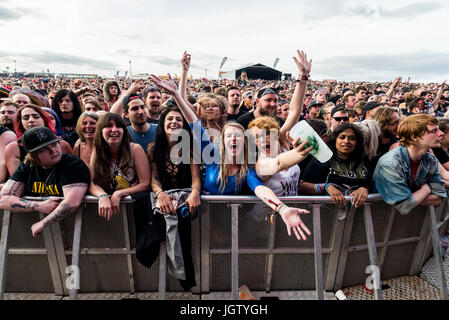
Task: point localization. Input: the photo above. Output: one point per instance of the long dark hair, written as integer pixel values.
(76, 106)
(160, 153)
(102, 166)
(358, 153)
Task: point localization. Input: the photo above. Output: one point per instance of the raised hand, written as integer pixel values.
(185, 61)
(168, 85)
(397, 81)
(304, 65)
(136, 86)
(293, 221)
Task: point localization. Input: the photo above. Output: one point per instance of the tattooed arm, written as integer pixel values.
(73, 196)
(10, 199)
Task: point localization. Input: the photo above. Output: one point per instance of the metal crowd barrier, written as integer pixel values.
(232, 244)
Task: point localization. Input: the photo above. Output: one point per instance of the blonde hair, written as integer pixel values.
(371, 131)
(223, 174)
(221, 102)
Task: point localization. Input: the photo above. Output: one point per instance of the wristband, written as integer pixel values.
(102, 195)
(321, 187)
(305, 77)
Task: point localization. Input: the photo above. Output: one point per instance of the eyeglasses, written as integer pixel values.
(339, 119)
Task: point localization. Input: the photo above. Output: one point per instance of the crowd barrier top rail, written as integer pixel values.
(323, 199)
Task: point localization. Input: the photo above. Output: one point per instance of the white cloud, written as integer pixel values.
(102, 35)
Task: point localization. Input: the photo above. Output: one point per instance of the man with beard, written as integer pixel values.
(234, 103)
(140, 130)
(388, 119)
(153, 100)
(409, 175)
(266, 105)
(8, 110)
(111, 92)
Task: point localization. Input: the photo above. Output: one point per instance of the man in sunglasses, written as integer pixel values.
(339, 115)
(266, 105)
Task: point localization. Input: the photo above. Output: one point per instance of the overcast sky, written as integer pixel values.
(347, 40)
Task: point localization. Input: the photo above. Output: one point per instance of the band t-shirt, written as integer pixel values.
(40, 182)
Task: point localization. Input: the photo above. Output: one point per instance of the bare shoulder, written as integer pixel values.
(12, 148)
(8, 137)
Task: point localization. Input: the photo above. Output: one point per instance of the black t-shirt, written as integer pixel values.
(40, 182)
(3, 130)
(234, 117)
(245, 119)
(384, 148)
(347, 176)
(441, 155)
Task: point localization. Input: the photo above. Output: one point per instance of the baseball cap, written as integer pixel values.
(128, 99)
(369, 106)
(314, 103)
(337, 109)
(37, 138)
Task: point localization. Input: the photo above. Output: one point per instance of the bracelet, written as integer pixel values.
(280, 208)
(102, 195)
(305, 77)
(197, 188)
(157, 193)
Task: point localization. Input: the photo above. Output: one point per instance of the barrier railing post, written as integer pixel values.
(73, 292)
(371, 241)
(235, 251)
(318, 251)
(205, 246)
(162, 270)
(124, 211)
(434, 234)
(4, 250)
(52, 257)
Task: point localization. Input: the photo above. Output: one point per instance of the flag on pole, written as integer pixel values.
(223, 62)
(275, 62)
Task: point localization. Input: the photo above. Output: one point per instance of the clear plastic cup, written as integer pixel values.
(304, 131)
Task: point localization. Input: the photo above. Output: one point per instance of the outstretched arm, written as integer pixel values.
(266, 167)
(296, 105)
(289, 215)
(439, 93)
(183, 105)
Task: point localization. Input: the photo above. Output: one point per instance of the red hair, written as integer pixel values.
(18, 127)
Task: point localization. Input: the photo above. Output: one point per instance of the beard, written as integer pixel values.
(9, 125)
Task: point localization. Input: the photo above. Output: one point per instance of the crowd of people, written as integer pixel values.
(166, 141)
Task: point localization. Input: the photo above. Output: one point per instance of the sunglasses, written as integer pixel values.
(339, 119)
